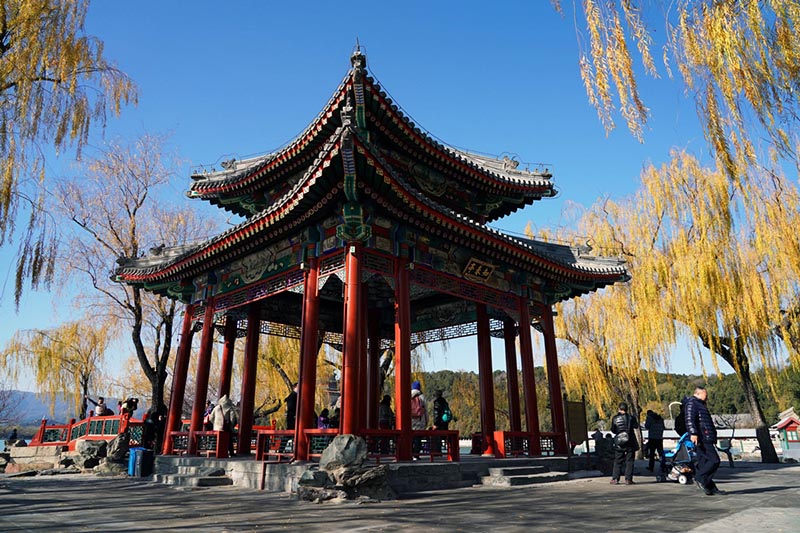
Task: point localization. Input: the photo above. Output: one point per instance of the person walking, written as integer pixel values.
(700, 426)
(441, 417)
(385, 414)
(224, 418)
(291, 407)
(385, 421)
(419, 416)
(654, 424)
(623, 427)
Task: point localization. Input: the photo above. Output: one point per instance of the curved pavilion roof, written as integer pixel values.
(401, 173)
(477, 186)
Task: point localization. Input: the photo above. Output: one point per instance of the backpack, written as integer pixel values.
(447, 416)
(417, 409)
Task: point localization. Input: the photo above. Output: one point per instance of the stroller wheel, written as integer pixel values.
(683, 479)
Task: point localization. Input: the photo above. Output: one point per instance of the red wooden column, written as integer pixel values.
(179, 379)
(373, 370)
(227, 357)
(352, 343)
(308, 355)
(486, 381)
(203, 368)
(248, 390)
(554, 380)
(363, 355)
(509, 336)
(402, 348)
(528, 377)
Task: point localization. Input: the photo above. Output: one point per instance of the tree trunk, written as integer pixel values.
(732, 352)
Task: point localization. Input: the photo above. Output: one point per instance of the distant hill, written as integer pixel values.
(31, 408)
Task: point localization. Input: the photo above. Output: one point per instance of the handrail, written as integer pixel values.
(278, 443)
(315, 438)
(90, 428)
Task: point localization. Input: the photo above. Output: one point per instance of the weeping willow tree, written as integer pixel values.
(55, 85)
(711, 260)
(117, 207)
(739, 60)
(67, 362)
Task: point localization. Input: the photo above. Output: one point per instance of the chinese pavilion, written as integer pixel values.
(365, 233)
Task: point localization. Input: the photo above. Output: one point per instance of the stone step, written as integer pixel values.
(188, 480)
(518, 470)
(530, 479)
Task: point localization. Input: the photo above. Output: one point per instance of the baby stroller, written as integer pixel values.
(678, 464)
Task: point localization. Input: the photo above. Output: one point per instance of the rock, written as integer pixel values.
(85, 462)
(117, 451)
(59, 471)
(16, 468)
(345, 451)
(110, 468)
(318, 495)
(371, 482)
(24, 473)
(92, 448)
(314, 478)
(67, 461)
(341, 475)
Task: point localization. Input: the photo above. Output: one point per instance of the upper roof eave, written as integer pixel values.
(500, 171)
(563, 258)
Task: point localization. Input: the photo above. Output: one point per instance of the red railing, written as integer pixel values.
(512, 443)
(317, 440)
(548, 442)
(274, 445)
(211, 443)
(92, 428)
(381, 443)
(517, 443)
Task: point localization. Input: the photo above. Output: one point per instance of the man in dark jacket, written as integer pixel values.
(700, 426)
(623, 427)
(655, 437)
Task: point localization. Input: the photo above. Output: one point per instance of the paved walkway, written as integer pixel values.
(762, 498)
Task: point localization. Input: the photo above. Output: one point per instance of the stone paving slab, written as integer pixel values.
(761, 498)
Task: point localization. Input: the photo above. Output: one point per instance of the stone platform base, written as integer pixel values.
(404, 477)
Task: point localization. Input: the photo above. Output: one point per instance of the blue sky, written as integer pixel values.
(242, 78)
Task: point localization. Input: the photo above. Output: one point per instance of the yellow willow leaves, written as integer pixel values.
(65, 362)
(55, 84)
(710, 259)
(740, 59)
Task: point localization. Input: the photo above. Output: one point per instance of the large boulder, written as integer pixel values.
(341, 474)
(92, 448)
(118, 448)
(88, 453)
(345, 451)
(107, 468)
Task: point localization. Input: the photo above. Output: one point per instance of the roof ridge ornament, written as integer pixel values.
(347, 113)
(358, 59)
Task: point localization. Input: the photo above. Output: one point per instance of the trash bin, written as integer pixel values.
(132, 460)
(144, 463)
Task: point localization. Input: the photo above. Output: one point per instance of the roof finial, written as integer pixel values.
(358, 60)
